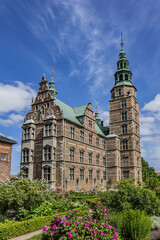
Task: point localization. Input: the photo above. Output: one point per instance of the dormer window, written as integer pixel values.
(90, 123)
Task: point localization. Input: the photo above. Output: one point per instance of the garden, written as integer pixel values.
(128, 212)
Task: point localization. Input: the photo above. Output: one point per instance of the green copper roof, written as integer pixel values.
(80, 110)
(123, 83)
(98, 130)
(68, 111)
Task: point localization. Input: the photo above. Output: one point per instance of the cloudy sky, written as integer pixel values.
(82, 40)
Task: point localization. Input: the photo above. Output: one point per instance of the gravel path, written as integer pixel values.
(27, 235)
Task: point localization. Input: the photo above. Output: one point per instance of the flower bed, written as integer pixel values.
(92, 225)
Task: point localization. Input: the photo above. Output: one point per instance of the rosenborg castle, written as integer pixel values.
(70, 147)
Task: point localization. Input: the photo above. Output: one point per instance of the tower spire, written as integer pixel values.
(122, 40)
(52, 90)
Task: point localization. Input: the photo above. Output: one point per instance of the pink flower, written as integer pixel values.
(67, 223)
(104, 211)
(99, 200)
(86, 225)
(58, 217)
(90, 220)
(44, 229)
(69, 234)
(116, 233)
(53, 233)
(102, 233)
(75, 230)
(54, 227)
(90, 202)
(91, 237)
(109, 226)
(107, 212)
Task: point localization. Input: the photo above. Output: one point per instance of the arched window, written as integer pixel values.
(126, 76)
(120, 77)
(121, 65)
(25, 172)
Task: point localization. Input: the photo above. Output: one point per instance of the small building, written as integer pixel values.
(5, 157)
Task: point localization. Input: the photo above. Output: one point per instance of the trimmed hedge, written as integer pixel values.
(13, 229)
(36, 237)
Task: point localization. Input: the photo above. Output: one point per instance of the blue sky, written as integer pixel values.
(82, 39)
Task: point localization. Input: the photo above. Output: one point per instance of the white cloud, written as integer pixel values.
(17, 148)
(15, 97)
(13, 119)
(105, 117)
(154, 105)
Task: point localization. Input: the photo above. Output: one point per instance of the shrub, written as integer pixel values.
(128, 196)
(155, 222)
(132, 224)
(92, 225)
(21, 195)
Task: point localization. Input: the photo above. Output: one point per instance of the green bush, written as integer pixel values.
(21, 195)
(155, 222)
(128, 196)
(36, 237)
(15, 228)
(132, 224)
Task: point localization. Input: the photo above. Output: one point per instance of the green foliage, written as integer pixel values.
(92, 225)
(22, 195)
(12, 229)
(36, 237)
(49, 208)
(128, 196)
(149, 176)
(155, 222)
(132, 224)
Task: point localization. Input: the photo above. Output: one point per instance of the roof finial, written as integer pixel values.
(121, 40)
(96, 106)
(52, 73)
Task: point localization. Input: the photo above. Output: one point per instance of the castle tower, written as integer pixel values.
(124, 119)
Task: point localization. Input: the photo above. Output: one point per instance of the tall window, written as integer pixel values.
(138, 161)
(138, 173)
(54, 153)
(125, 161)
(104, 161)
(97, 142)
(48, 130)
(125, 145)
(90, 123)
(137, 145)
(90, 158)
(81, 156)
(97, 159)
(119, 90)
(47, 153)
(71, 174)
(25, 153)
(54, 129)
(136, 116)
(3, 156)
(124, 116)
(90, 174)
(72, 132)
(81, 135)
(26, 133)
(90, 139)
(120, 77)
(126, 76)
(47, 173)
(82, 174)
(98, 174)
(71, 156)
(126, 174)
(124, 129)
(123, 103)
(104, 175)
(25, 172)
(31, 155)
